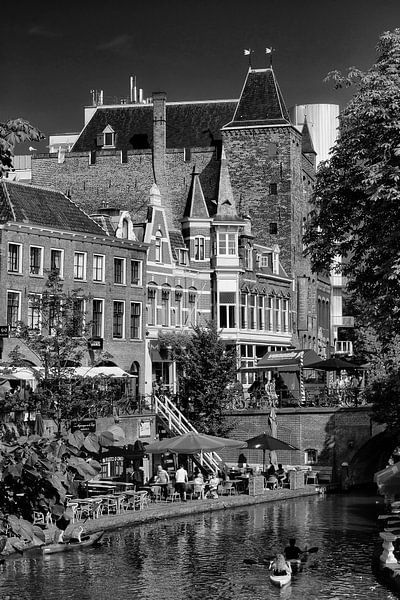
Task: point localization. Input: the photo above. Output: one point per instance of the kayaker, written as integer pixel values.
(292, 552)
(279, 566)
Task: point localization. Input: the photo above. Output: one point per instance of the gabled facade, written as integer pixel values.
(41, 231)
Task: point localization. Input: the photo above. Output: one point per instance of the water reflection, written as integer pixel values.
(202, 557)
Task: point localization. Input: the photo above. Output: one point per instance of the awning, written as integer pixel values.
(17, 373)
(100, 371)
(286, 360)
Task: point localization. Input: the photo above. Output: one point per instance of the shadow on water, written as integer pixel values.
(202, 557)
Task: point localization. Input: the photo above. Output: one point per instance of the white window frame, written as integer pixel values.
(158, 247)
(41, 255)
(227, 243)
(179, 295)
(61, 269)
(19, 295)
(140, 316)
(123, 270)
(101, 300)
(264, 260)
(285, 315)
(19, 258)
(37, 298)
(275, 260)
(269, 313)
(165, 307)
(199, 248)
(109, 131)
(140, 269)
(82, 328)
(78, 267)
(122, 302)
(96, 268)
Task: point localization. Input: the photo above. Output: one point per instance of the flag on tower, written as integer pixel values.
(268, 50)
(247, 52)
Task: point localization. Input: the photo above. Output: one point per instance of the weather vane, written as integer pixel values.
(268, 52)
(248, 52)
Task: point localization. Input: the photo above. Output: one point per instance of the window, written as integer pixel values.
(252, 311)
(227, 244)
(118, 319)
(260, 312)
(275, 260)
(78, 317)
(178, 307)
(273, 189)
(199, 248)
(80, 265)
(165, 307)
(34, 312)
(273, 228)
(136, 272)
(35, 260)
(182, 253)
(264, 260)
(136, 321)
(248, 257)
(310, 456)
(56, 261)
(14, 258)
(277, 314)
(152, 305)
(243, 311)
(158, 247)
(13, 309)
(192, 298)
(119, 271)
(98, 318)
(285, 315)
(124, 229)
(98, 268)
(268, 324)
(109, 139)
(55, 314)
(227, 312)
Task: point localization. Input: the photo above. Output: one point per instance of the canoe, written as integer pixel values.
(280, 580)
(88, 540)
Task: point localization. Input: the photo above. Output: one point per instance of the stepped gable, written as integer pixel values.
(307, 146)
(41, 206)
(188, 125)
(196, 206)
(261, 102)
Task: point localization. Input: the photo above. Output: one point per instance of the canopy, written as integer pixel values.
(334, 364)
(113, 436)
(289, 360)
(17, 373)
(268, 442)
(191, 443)
(101, 371)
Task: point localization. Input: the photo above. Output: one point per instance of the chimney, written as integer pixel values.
(132, 89)
(140, 95)
(159, 138)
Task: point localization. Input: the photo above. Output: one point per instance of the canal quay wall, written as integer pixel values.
(157, 511)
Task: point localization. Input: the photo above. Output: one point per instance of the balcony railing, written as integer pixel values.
(344, 347)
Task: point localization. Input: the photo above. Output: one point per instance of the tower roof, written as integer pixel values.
(226, 207)
(261, 102)
(196, 207)
(307, 145)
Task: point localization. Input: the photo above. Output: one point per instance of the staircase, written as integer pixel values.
(177, 423)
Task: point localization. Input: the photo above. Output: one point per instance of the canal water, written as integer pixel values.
(202, 557)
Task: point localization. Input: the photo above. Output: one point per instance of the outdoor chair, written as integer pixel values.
(72, 507)
(156, 493)
(109, 505)
(141, 500)
(172, 495)
(228, 488)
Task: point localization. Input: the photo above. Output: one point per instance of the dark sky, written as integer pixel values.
(53, 53)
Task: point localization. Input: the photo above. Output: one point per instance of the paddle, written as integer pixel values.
(266, 561)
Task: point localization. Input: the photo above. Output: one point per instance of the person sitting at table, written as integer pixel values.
(281, 475)
(213, 483)
(163, 478)
(198, 485)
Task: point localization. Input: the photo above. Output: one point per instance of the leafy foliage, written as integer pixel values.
(206, 371)
(12, 132)
(355, 207)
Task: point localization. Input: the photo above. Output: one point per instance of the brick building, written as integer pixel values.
(234, 179)
(42, 230)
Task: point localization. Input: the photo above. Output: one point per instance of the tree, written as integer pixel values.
(12, 132)
(59, 339)
(207, 376)
(355, 212)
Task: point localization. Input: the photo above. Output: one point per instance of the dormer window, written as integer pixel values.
(264, 260)
(227, 244)
(182, 256)
(107, 138)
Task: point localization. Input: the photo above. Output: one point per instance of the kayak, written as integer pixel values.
(88, 540)
(280, 580)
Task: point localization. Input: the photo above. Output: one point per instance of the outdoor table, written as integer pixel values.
(123, 485)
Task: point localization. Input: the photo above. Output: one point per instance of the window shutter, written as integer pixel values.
(100, 139)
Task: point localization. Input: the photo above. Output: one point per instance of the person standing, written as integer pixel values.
(162, 478)
(181, 479)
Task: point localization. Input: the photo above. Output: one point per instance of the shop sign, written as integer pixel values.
(4, 331)
(95, 343)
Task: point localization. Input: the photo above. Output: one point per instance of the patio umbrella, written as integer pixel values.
(113, 436)
(268, 442)
(192, 443)
(333, 364)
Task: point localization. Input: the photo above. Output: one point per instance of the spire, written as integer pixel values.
(226, 207)
(307, 145)
(155, 195)
(261, 102)
(196, 206)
